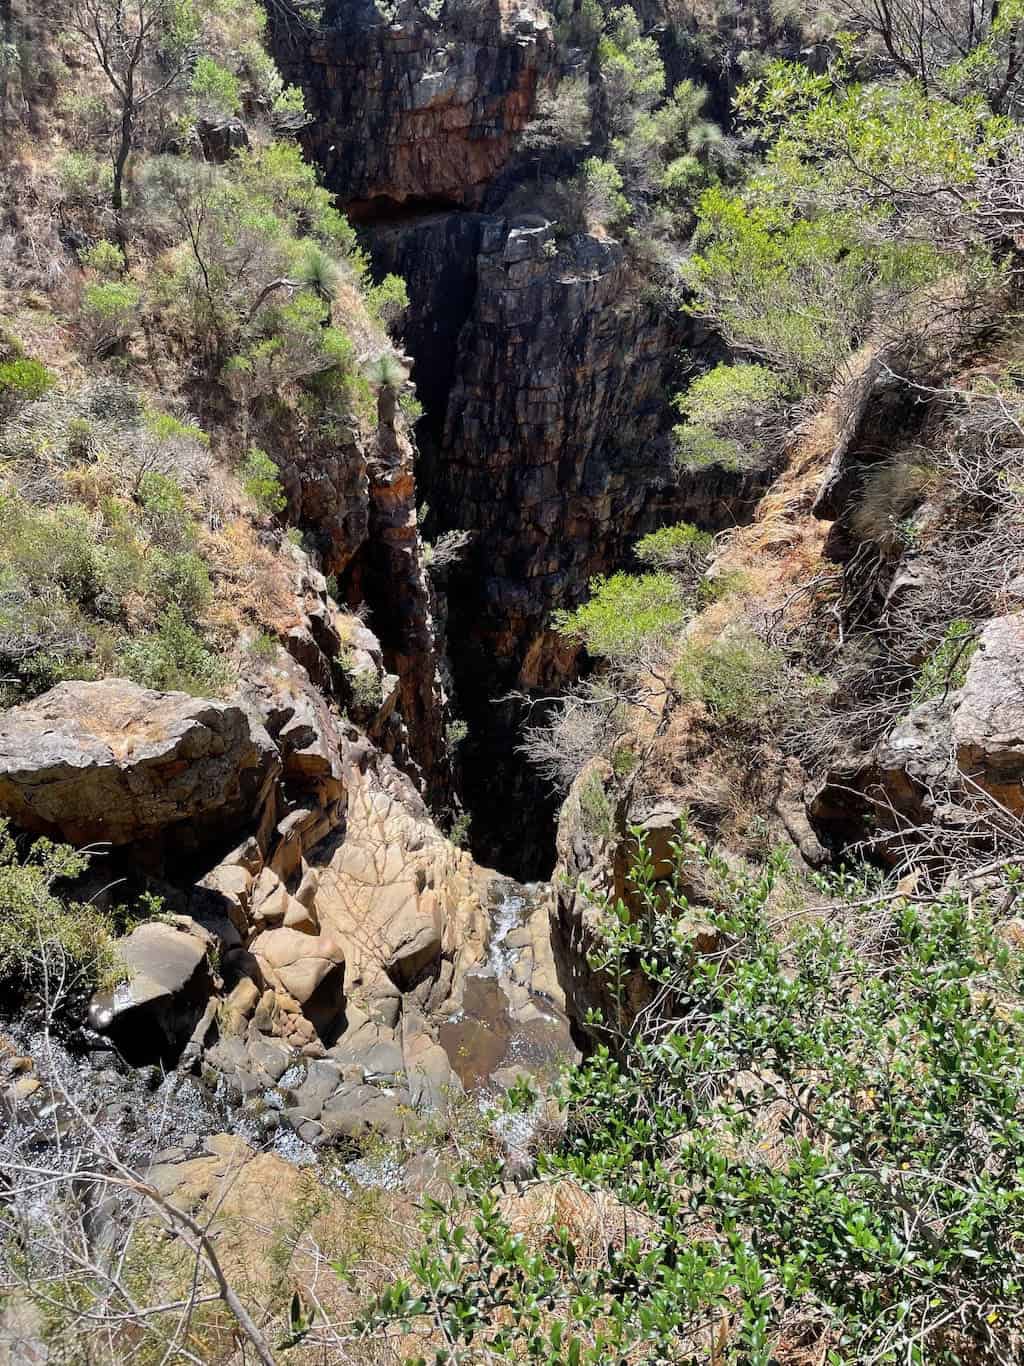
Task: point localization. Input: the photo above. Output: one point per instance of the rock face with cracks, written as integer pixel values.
(114, 762)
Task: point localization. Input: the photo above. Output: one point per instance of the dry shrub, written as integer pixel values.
(250, 582)
(890, 492)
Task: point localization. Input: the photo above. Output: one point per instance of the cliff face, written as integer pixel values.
(546, 370)
(410, 110)
(543, 363)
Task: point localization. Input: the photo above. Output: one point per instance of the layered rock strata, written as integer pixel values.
(411, 108)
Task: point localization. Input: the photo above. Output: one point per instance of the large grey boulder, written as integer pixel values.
(988, 723)
(112, 762)
(151, 1014)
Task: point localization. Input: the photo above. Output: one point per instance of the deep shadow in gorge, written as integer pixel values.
(544, 360)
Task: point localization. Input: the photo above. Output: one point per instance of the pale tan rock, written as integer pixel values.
(300, 917)
(297, 962)
(244, 996)
(269, 899)
(115, 762)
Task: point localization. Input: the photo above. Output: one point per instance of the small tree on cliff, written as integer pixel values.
(144, 49)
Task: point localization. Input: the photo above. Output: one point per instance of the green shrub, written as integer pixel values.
(104, 257)
(109, 313)
(742, 681)
(165, 512)
(46, 941)
(598, 186)
(85, 181)
(180, 580)
(724, 414)
(818, 1130)
(214, 88)
(596, 810)
(945, 668)
(262, 482)
(174, 657)
(388, 300)
(626, 616)
(23, 381)
(679, 547)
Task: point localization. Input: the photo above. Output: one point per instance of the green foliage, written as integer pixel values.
(214, 88)
(388, 300)
(22, 380)
(820, 1130)
(104, 257)
(109, 313)
(262, 481)
(744, 682)
(725, 412)
(682, 548)
(626, 617)
(596, 811)
(84, 180)
(866, 198)
(79, 583)
(631, 69)
(174, 657)
(945, 668)
(599, 187)
(47, 942)
(458, 829)
(386, 372)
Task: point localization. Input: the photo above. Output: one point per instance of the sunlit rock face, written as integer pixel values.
(409, 110)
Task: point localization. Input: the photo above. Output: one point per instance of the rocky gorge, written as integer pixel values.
(349, 914)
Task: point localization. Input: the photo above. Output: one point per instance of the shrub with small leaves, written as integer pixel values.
(261, 480)
(23, 380)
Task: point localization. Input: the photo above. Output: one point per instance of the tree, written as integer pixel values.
(144, 48)
(975, 42)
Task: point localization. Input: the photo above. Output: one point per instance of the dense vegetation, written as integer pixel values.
(182, 313)
(811, 1134)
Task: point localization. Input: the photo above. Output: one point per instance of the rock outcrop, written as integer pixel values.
(414, 108)
(953, 761)
(168, 982)
(988, 724)
(112, 762)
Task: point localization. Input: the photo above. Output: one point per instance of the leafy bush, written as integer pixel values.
(599, 189)
(680, 548)
(810, 1144)
(743, 681)
(215, 89)
(388, 300)
(945, 668)
(109, 313)
(626, 617)
(596, 809)
(23, 380)
(45, 941)
(104, 257)
(262, 481)
(726, 414)
(85, 181)
(174, 657)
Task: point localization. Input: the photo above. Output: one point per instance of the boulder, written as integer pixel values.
(151, 1015)
(220, 137)
(113, 762)
(307, 969)
(988, 722)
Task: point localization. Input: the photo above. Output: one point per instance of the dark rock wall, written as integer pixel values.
(545, 365)
(415, 109)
